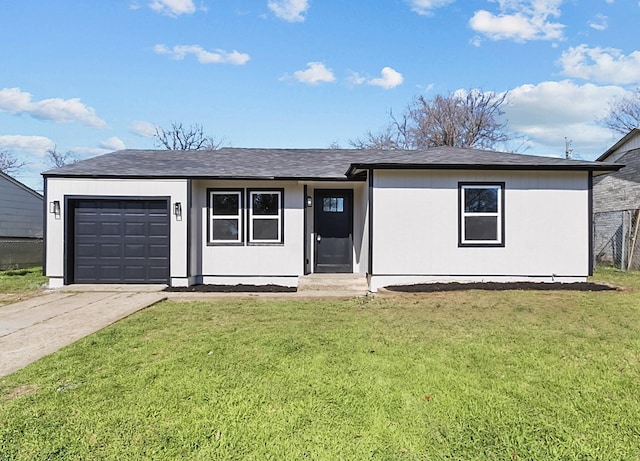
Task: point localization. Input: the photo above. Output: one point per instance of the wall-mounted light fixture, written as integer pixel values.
(177, 210)
(309, 201)
(54, 208)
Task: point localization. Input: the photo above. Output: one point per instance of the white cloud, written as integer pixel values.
(173, 8)
(143, 129)
(81, 152)
(354, 78)
(520, 21)
(289, 10)
(549, 111)
(599, 22)
(316, 73)
(179, 52)
(113, 143)
(31, 144)
(607, 65)
(426, 7)
(16, 101)
(389, 78)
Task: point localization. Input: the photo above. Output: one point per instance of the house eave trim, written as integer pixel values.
(211, 178)
(356, 167)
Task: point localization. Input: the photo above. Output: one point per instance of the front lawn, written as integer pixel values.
(513, 375)
(18, 283)
(21, 280)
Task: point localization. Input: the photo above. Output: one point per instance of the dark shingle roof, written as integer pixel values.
(631, 134)
(302, 163)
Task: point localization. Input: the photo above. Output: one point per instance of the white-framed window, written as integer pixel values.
(265, 221)
(481, 215)
(225, 216)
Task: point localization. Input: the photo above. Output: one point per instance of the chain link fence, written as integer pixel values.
(20, 253)
(615, 239)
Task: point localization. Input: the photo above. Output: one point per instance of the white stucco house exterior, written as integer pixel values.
(271, 216)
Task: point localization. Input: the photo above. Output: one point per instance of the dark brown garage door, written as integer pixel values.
(120, 241)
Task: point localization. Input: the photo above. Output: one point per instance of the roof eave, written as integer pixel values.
(604, 168)
(199, 177)
(623, 140)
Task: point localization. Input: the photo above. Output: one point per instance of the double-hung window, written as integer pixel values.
(225, 216)
(481, 214)
(265, 216)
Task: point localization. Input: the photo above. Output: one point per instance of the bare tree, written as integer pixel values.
(57, 159)
(624, 113)
(10, 164)
(393, 136)
(179, 137)
(461, 119)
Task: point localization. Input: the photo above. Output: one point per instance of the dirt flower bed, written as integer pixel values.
(489, 286)
(241, 288)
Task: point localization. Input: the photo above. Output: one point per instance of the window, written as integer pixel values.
(333, 204)
(481, 214)
(225, 216)
(265, 216)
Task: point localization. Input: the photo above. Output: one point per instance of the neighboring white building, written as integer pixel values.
(269, 216)
(21, 217)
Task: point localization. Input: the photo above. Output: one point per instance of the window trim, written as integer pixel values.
(500, 241)
(211, 217)
(279, 216)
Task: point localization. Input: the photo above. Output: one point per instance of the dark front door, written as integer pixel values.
(119, 241)
(333, 223)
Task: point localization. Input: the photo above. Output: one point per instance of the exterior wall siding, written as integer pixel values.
(64, 188)
(267, 260)
(619, 190)
(271, 262)
(20, 211)
(415, 221)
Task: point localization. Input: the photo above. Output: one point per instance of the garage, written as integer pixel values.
(124, 240)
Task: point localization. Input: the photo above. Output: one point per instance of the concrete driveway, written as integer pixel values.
(39, 326)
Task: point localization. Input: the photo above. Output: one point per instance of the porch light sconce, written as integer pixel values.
(177, 210)
(54, 208)
(309, 201)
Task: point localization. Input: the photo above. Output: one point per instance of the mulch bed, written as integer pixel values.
(455, 286)
(233, 289)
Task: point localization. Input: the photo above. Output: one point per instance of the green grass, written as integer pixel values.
(514, 375)
(21, 280)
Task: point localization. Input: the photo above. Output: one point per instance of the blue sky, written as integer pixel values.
(93, 77)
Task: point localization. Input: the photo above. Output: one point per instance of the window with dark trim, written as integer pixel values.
(225, 216)
(481, 214)
(265, 217)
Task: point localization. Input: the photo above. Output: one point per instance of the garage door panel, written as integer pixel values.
(110, 250)
(133, 250)
(121, 241)
(135, 229)
(157, 251)
(110, 229)
(86, 250)
(158, 229)
(87, 228)
(157, 275)
(136, 273)
(109, 273)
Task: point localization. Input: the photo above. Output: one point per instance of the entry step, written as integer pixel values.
(355, 283)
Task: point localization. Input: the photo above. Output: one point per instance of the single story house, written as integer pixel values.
(270, 216)
(616, 204)
(21, 224)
